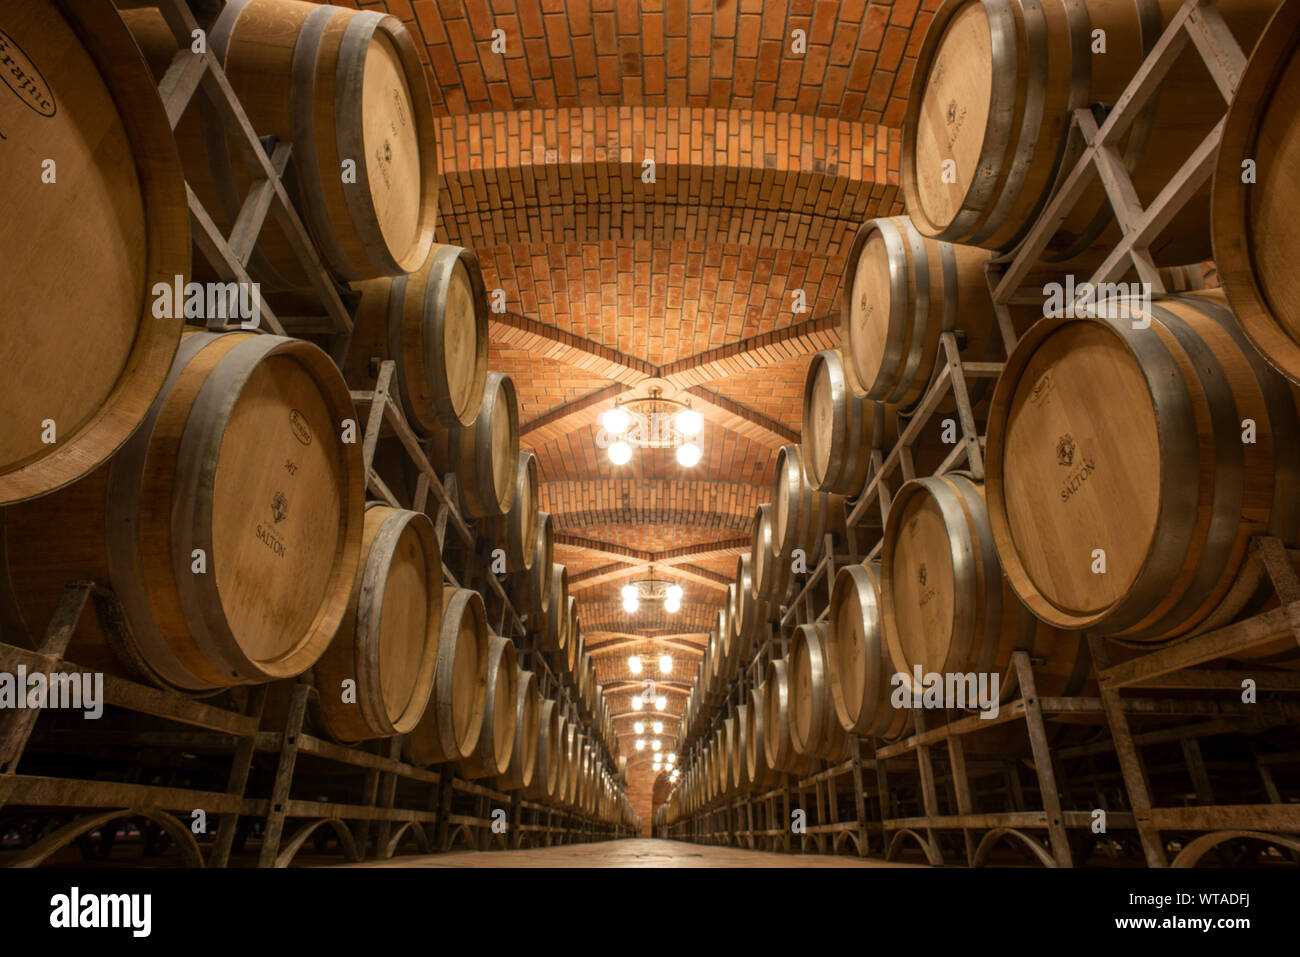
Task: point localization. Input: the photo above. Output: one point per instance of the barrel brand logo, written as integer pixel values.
(921, 575)
(1080, 475)
(298, 423)
(1065, 450)
(279, 507)
(21, 76)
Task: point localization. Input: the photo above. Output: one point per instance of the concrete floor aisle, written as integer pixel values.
(634, 852)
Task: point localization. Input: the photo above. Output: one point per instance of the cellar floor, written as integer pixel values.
(633, 852)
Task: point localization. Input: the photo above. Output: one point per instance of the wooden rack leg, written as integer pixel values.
(1130, 760)
(240, 766)
(387, 796)
(362, 830)
(961, 787)
(929, 797)
(275, 812)
(859, 794)
(1047, 789)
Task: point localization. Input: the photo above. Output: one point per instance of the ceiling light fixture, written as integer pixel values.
(651, 589)
(651, 421)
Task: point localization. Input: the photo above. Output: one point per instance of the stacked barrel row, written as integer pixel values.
(1132, 452)
(215, 481)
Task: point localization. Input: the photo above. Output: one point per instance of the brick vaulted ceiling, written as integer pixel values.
(766, 161)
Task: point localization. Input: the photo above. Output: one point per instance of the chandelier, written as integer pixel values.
(635, 664)
(648, 696)
(652, 421)
(651, 589)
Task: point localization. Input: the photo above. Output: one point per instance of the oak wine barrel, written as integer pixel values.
(496, 741)
(546, 773)
(815, 730)
(948, 608)
(573, 643)
(434, 324)
(748, 614)
(533, 590)
(801, 514)
(517, 529)
(760, 773)
(857, 656)
(229, 525)
(778, 739)
(740, 779)
(900, 291)
(454, 720)
(523, 755)
(1256, 234)
(387, 646)
(1105, 440)
(343, 86)
(840, 429)
(84, 359)
(988, 126)
(770, 576)
(485, 455)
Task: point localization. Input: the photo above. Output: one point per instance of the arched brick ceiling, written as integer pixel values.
(766, 162)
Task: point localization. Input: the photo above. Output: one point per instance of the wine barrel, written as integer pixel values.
(343, 86)
(947, 607)
(761, 774)
(85, 359)
(496, 742)
(557, 620)
(434, 325)
(840, 429)
(740, 779)
(749, 614)
(769, 576)
(485, 455)
(546, 772)
(727, 734)
(1130, 441)
(857, 657)
(560, 795)
(778, 739)
(454, 721)
(900, 291)
(801, 515)
(517, 529)
(534, 589)
(229, 526)
(387, 645)
(574, 765)
(1255, 230)
(815, 730)
(523, 755)
(573, 646)
(987, 133)
(726, 644)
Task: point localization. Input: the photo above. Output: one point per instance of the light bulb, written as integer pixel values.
(656, 766)
(659, 727)
(634, 664)
(672, 757)
(639, 727)
(630, 605)
(666, 664)
(661, 703)
(628, 592)
(637, 702)
(689, 422)
(640, 744)
(687, 455)
(620, 453)
(655, 744)
(675, 593)
(672, 607)
(616, 420)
